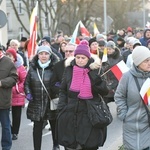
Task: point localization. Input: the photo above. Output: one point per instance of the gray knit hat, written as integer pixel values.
(44, 49)
(111, 44)
(139, 54)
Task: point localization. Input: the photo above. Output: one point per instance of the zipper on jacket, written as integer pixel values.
(42, 94)
(137, 126)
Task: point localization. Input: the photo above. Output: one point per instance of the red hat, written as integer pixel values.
(129, 29)
(12, 52)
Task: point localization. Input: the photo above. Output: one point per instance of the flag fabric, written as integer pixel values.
(83, 30)
(147, 25)
(33, 32)
(74, 39)
(145, 91)
(104, 58)
(96, 31)
(119, 69)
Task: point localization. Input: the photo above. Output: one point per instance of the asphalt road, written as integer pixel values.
(25, 142)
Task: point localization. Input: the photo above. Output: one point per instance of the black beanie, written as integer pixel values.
(92, 40)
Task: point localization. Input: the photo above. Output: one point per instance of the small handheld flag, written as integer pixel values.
(145, 91)
(119, 69)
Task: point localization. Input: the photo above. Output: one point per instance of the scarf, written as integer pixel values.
(94, 51)
(81, 83)
(44, 65)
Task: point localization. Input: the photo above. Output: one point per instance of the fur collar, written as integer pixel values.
(95, 62)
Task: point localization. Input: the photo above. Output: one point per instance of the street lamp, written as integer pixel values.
(143, 13)
(105, 16)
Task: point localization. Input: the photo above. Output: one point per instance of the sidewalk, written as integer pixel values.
(113, 146)
(114, 131)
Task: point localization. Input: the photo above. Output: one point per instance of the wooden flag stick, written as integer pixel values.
(105, 72)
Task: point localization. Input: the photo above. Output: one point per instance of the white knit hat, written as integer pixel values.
(139, 54)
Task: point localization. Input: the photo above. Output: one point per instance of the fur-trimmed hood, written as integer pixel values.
(94, 62)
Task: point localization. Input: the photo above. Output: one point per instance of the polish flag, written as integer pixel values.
(74, 39)
(96, 31)
(83, 30)
(104, 58)
(119, 69)
(145, 91)
(33, 32)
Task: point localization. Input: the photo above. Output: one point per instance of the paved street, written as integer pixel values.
(24, 142)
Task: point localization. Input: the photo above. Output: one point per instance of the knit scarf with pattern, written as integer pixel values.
(81, 83)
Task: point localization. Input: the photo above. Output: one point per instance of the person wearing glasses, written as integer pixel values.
(60, 66)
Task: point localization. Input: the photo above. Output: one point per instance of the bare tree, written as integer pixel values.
(65, 14)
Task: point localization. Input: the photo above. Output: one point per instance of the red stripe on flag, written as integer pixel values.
(77, 40)
(145, 99)
(32, 41)
(84, 31)
(117, 72)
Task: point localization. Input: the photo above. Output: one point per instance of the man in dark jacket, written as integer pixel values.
(8, 78)
(60, 66)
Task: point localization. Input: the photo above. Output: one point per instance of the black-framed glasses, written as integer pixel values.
(70, 51)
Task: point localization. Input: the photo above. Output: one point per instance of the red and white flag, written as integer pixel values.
(145, 91)
(84, 31)
(33, 32)
(74, 38)
(119, 69)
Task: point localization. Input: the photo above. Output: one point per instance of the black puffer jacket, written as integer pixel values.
(38, 108)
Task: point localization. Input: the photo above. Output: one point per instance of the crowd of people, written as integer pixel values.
(75, 73)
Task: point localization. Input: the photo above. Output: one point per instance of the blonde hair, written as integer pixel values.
(14, 41)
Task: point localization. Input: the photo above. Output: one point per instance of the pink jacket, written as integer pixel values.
(18, 95)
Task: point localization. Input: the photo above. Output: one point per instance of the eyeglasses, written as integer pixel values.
(70, 51)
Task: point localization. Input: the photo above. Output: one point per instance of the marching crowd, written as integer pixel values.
(76, 74)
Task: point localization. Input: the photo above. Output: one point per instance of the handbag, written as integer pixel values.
(99, 113)
(53, 102)
(146, 107)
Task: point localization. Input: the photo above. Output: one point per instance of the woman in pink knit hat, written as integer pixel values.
(80, 83)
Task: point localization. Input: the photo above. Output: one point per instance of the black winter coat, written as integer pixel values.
(73, 125)
(112, 81)
(38, 108)
(57, 76)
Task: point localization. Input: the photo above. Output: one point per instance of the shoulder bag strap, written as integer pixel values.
(43, 84)
(138, 86)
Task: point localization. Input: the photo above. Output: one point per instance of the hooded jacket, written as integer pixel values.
(130, 109)
(18, 95)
